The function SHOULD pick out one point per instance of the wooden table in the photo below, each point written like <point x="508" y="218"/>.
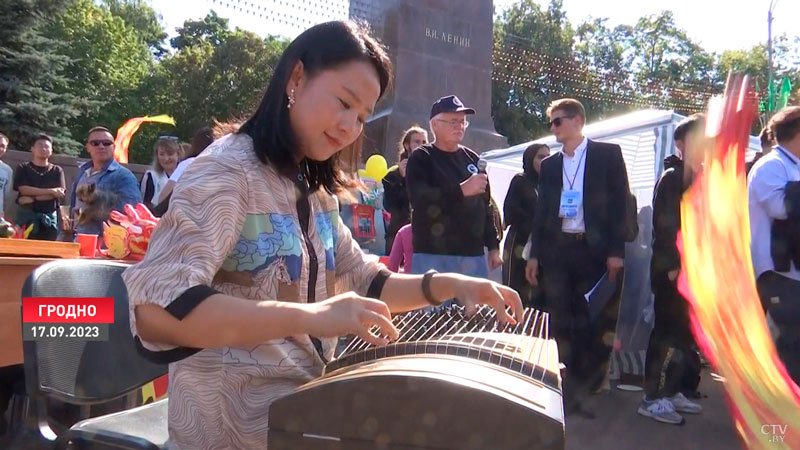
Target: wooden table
<point x="13" y="273"/>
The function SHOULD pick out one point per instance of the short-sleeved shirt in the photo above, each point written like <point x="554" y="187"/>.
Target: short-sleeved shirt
<point x="6" y="178"/>
<point x="233" y="225"/>
<point x="29" y="174"/>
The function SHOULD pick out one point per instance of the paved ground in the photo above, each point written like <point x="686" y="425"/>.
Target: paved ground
<point x="618" y="426"/>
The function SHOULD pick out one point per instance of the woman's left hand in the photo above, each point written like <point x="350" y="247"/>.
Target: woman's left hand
<point x="472" y="292"/>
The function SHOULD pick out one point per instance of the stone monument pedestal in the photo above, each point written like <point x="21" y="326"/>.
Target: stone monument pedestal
<point x="438" y="47"/>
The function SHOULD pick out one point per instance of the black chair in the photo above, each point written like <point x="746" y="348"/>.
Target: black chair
<point x="90" y="373"/>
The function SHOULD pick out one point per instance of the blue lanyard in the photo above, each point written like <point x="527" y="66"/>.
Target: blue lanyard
<point x="574" y="177"/>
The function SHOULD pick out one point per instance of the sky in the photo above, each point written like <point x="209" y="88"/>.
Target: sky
<point x="715" y="24"/>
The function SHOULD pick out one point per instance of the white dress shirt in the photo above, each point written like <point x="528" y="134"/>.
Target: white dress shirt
<point x="766" y="195"/>
<point x="574" y="169"/>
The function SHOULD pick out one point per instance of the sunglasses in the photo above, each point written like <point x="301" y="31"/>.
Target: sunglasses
<point x="168" y="137"/>
<point x="101" y="143"/>
<point x="557" y="121"/>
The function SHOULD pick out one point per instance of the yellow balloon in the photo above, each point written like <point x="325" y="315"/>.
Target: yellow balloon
<point x="362" y="173"/>
<point x="376" y="167"/>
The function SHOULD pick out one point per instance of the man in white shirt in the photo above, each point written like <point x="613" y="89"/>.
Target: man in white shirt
<point x="579" y="236"/>
<point x="774" y="197"/>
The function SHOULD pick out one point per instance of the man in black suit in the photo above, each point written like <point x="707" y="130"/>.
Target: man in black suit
<point x="578" y="237"/>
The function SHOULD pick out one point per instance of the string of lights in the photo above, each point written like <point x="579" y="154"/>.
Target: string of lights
<point x="525" y="44"/>
<point x="527" y="78"/>
<point x="514" y="63"/>
<point x="532" y="60"/>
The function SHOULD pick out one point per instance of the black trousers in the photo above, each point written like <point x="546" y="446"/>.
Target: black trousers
<point x="514" y="270"/>
<point x="583" y="345"/>
<point x="780" y="297"/>
<point x="670" y="341"/>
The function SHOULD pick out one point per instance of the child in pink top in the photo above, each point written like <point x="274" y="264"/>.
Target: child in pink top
<point x="402" y="250"/>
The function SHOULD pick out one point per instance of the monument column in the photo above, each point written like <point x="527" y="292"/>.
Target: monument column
<point x="438" y="47"/>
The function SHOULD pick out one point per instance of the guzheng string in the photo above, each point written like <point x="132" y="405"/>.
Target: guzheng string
<point x="450" y="331"/>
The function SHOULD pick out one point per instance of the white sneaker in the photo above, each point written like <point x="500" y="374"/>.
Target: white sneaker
<point x="660" y="410"/>
<point x="684" y="405"/>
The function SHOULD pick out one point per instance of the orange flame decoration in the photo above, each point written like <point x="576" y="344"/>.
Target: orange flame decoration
<point x="718" y="279"/>
<point x="126" y="132"/>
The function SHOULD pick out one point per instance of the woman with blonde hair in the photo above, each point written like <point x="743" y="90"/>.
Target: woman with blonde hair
<point x="167" y="152"/>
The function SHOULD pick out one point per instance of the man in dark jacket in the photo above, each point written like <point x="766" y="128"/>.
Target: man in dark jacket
<point x="671" y="337"/>
<point x="579" y="239"/>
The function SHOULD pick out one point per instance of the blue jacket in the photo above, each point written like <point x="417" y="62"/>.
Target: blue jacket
<point x="113" y="178"/>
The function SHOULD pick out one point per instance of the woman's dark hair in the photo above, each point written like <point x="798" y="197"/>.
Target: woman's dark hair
<point x="322" y="47"/>
<point x="527" y="160"/>
<point x="202" y="138"/>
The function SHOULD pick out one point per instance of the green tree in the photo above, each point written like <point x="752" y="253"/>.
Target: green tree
<point x="108" y="62"/>
<point x="671" y="69"/>
<point x="216" y="73"/>
<point x="143" y="19"/>
<point x="532" y="48"/>
<point x="604" y="57"/>
<point x="212" y="29"/>
<point x="34" y="91"/>
<point x="754" y="62"/>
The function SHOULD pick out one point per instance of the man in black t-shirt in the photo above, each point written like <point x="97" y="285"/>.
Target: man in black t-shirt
<point x="452" y="221"/>
<point x="41" y="186"/>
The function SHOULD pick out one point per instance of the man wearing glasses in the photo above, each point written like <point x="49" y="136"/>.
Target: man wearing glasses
<point x="452" y="220"/>
<point x="108" y="175"/>
<point x="578" y="237"/>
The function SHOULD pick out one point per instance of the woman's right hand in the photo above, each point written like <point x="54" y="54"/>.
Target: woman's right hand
<point x="350" y="313"/>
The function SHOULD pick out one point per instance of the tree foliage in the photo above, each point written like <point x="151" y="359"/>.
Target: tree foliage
<point x="35" y="94"/>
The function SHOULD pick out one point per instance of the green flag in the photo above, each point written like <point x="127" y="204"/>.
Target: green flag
<point x="762" y="104"/>
<point x="783" y="97"/>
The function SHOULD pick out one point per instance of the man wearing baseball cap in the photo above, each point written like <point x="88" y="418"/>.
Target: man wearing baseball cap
<point x="452" y="219"/>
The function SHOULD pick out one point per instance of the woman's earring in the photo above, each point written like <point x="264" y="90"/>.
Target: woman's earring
<point x="291" y="99"/>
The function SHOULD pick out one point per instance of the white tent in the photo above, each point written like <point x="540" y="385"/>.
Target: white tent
<point x="645" y="137"/>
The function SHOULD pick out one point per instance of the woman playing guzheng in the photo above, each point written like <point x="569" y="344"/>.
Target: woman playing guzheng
<point x="251" y="275"/>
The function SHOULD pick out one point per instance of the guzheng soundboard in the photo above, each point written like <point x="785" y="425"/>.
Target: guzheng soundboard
<point x="449" y="382"/>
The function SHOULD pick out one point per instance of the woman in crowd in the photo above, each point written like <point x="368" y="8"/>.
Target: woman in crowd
<point x="395" y="193"/>
<point x="167" y="152"/>
<point x="518" y="211"/>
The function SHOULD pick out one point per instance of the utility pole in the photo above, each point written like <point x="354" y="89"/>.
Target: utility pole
<point x="770" y="93"/>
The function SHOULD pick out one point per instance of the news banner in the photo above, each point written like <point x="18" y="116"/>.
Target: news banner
<point x="66" y="318"/>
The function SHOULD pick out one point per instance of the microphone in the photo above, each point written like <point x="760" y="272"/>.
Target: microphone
<point x="482" y="163"/>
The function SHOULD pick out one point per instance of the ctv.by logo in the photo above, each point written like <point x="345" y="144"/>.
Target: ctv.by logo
<point x="777" y="433"/>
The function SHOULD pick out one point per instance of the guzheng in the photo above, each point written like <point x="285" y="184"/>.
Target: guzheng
<point x="448" y="382"/>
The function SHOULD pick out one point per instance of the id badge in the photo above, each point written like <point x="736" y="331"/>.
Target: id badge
<point x="569" y="204"/>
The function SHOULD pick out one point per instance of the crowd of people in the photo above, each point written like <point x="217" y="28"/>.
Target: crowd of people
<point x="568" y="217"/>
<point x="250" y="263"/>
<point x="51" y="212"/>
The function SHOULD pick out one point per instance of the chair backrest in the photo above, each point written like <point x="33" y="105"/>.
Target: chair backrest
<point x="83" y="372"/>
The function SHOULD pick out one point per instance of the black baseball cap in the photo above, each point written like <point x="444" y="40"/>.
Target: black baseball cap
<point x="451" y="103"/>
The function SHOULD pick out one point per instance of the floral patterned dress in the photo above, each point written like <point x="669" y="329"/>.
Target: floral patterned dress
<point x="233" y="225"/>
